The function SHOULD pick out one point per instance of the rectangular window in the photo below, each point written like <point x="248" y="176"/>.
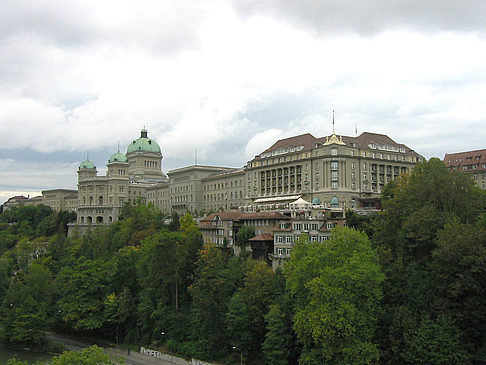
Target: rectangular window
<point x="334" y="165"/>
<point x="333" y="151"/>
<point x="334" y="185"/>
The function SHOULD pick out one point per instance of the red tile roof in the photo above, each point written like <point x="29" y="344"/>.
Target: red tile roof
<point x="468" y="161"/>
<point x="310" y="142"/>
<point x="262" y="237"/>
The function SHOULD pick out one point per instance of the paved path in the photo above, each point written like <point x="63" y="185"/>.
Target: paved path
<point x="134" y="358"/>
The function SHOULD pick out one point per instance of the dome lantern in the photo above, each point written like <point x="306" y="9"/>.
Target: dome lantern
<point x="143" y="144"/>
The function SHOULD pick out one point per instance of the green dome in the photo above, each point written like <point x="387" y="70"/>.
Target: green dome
<point x="143" y="144"/>
<point x="87" y="165"/>
<point x="118" y="157"/>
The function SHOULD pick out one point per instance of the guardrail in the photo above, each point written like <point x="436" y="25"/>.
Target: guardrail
<point x="171" y="358"/>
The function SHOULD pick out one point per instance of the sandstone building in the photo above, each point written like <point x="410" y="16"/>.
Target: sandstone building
<point x="335" y="172"/>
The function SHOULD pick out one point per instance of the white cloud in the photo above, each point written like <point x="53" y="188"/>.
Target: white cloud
<point x="262" y="140"/>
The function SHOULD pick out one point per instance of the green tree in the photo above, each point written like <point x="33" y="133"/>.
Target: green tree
<point x="125" y="289"/>
<point x="246" y="316"/>
<point x="83" y="289"/>
<point x="435" y="342"/>
<point x="216" y="278"/>
<point x="337" y="287"/>
<point x="280" y="346"/>
<point x="243" y="236"/>
<point x="459" y="276"/>
<point x="407" y="233"/>
<point x="239" y="325"/>
<point x="27" y="307"/>
<point x="92" y="355"/>
<point x="278" y="339"/>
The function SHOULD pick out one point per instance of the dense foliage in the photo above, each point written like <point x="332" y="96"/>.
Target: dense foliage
<point x="92" y="355"/>
<point x="403" y="287"/>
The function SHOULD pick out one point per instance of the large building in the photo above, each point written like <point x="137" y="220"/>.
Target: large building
<point x="127" y="180"/>
<point x="330" y="172"/>
<point x="333" y="171"/>
<point x="470" y="162"/>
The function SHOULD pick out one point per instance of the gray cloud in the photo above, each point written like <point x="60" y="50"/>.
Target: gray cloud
<point x="371" y="16"/>
<point x="144" y="25"/>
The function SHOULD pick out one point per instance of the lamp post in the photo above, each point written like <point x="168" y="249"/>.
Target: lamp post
<point x="167" y="343"/>
<point x="241" y="355"/>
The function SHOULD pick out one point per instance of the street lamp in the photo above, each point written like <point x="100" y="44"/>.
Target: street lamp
<point x="167" y="342"/>
<point x="241" y="355"/>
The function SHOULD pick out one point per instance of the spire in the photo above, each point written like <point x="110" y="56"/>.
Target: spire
<point x="334" y="139"/>
<point x="333" y="131"/>
<point x="118" y="146"/>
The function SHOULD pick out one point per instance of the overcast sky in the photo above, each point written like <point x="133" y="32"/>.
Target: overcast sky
<point x="229" y="78"/>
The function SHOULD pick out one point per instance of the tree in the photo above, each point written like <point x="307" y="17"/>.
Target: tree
<point x="459" y="275"/>
<point x="28" y="306"/>
<point x="243" y="236"/>
<point x="278" y="339"/>
<point x="239" y="325"/>
<point x="122" y="308"/>
<point x="216" y="278"/>
<point x="164" y="296"/>
<point x="337" y="288"/>
<point x="418" y="205"/>
<point x="92" y="355"/>
<point x="360" y="222"/>
<point x="246" y="316"/>
<point x="83" y="289"/>
<point x="435" y="342"/>
<point x="407" y="235"/>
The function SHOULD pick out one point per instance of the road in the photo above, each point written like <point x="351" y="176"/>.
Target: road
<point x="134" y="358"/>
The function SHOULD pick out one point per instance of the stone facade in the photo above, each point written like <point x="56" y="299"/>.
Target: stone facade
<point x="59" y="199"/>
<point x="334" y="171"/>
<point x="128" y="180"/>
<point x="330" y="172"/>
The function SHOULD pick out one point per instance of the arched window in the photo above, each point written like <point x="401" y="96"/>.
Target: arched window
<point x="334" y="202"/>
<point x="99" y="219"/>
<point x="82" y="220"/>
<point x="89" y="220"/>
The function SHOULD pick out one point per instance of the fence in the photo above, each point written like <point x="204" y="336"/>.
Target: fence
<point x="171" y="358"/>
